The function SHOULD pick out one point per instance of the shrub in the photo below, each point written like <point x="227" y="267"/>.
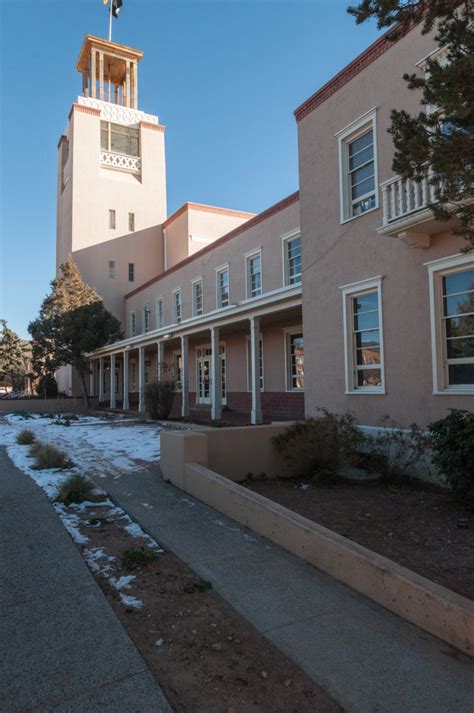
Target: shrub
<point x="453" y="452"/>
<point x="317" y="446"/>
<point x="47" y="387"/>
<point x="75" y="489"/>
<point x="48" y="457"/>
<point x="159" y="396"/>
<point x="26" y="437"/>
<point x="135" y="557"/>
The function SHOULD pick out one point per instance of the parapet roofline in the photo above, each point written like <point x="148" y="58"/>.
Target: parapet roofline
<point x="206" y="209"/>
<point x="292" y="198"/>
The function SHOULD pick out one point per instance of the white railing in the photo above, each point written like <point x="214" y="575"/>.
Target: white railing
<point x="117" y="113"/>
<point x="116" y="160"/>
<point x="401" y="197"/>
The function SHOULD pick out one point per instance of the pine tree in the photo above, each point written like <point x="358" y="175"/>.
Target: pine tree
<point x="72" y="323"/>
<point x="13" y="356"/>
<point x="443" y="138"/>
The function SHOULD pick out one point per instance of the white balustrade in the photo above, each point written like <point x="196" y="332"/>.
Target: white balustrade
<point x="116" y="113"/>
<point x="402" y="197"/>
<point x="116" y="160"/>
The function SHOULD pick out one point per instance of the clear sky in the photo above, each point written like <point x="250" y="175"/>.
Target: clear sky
<point x="223" y="76"/>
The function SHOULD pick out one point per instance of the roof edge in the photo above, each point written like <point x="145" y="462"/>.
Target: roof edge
<point x="206" y="209"/>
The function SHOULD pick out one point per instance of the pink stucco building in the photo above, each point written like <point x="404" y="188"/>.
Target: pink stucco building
<point x="347" y="295"/>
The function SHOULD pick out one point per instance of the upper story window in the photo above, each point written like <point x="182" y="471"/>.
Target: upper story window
<point x="133" y="324"/>
<point x="292" y="260"/>
<point x="177" y="304"/>
<point x="254" y="274"/>
<point x="452" y="324"/>
<point x="364" y="336"/>
<point x="146" y="319"/>
<point x="131" y="222"/>
<point x="119" y="139"/>
<point x="112" y="219"/>
<point x="160" y="313"/>
<point x="112" y="270"/>
<point x="358" y="167"/>
<point x="222" y="284"/>
<point x="131" y="272"/>
<point x="197" y="298"/>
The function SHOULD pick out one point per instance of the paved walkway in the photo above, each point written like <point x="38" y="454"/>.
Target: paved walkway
<point x="368" y="658"/>
<point x="61" y="646"/>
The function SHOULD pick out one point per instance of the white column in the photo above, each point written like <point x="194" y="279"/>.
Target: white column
<point x="127" y="84"/>
<point x="93" y="75"/>
<point x="91" y="378"/>
<point x="135" y="84"/>
<point x="256" y="414"/>
<point x="125" y="401"/>
<point x="101" y="379"/>
<point x="141" y="379"/>
<point x="160" y="359"/>
<point x="216" y="386"/>
<point x="113" y="397"/>
<point x="101" y="76"/>
<point x="184" y="378"/>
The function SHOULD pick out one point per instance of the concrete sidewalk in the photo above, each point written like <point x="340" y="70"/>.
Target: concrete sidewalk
<point x="61" y="646"/>
<point x="368" y="658"/>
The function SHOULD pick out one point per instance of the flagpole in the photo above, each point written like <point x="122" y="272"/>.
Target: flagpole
<point x="110" y="20"/>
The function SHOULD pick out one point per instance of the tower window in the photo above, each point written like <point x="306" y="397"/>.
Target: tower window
<point x="112" y="270"/>
<point x="112" y="219"/>
<point x="119" y="139"/>
<point x="131" y="272"/>
<point x="131" y="222"/>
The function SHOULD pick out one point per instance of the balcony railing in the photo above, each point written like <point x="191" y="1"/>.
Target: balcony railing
<point x="125" y="163"/>
<point x="402" y="198"/>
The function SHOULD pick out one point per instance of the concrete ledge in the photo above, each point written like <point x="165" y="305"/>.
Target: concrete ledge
<point x="43" y="405"/>
<point x="432" y="607"/>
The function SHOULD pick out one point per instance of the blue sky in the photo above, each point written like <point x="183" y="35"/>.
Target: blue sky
<point x="223" y="76"/>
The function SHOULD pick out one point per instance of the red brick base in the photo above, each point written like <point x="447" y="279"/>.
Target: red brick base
<point x="276" y="406"/>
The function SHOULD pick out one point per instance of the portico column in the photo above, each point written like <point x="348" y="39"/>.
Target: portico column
<point x="125" y="401"/>
<point x="160" y="359"/>
<point x="91" y="378"/>
<point x="256" y="413"/>
<point x="101" y="76"/>
<point x="101" y="379"/>
<point x="141" y="379"/>
<point x="127" y="83"/>
<point x="216" y="390"/>
<point x="93" y="75"/>
<point x="135" y="85"/>
<point x="113" y="398"/>
<point x="184" y="378"/>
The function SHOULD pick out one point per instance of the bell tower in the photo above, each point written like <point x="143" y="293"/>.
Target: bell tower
<point x="111" y="187"/>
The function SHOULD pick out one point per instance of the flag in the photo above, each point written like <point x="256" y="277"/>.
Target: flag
<point x="116" y="5"/>
<point x="105" y="2"/>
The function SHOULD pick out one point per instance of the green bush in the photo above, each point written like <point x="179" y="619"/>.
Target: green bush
<point x="135" y="557"/>
<point x="453" y="452"/>
<point x="317" y="446"/>
<point x="75" y="489"/>
<point x="48" y="457"/>
<point x="159" y="396"/>
<point x="47" y="387"/>
<point x="26" y="437"/>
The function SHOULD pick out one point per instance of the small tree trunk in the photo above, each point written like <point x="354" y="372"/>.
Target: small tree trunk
<point x="85" y="395"/>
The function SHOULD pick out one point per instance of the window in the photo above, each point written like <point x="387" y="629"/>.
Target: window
<point x="131" y="222"/>
<point x="452" y="324"/>
<point x="222" y="279"/>
<point x="112" y="270"/>
<point x="254" y="274"/>
<point x="131" y="272"/>
<point x="133" y="375"/>
<point x="295" y="360"/>
<point x="112" y="219"/>
<point x="146" y="318"/>
<point x="147" y="371"/>
<point x="178" y="370"/>
<point x="160" y="317"/>
<point x="249" y="364"/>
<point x="133" y="324"/>
<point x="358" y="167"/>
<point x="119" y="139"/>
<point x="363" y="336"/>
<point x="292" y="260"/>
<point x="177" y="306"/>
<point x="197" y="297"/>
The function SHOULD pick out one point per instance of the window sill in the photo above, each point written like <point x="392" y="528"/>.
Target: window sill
<point x="365" y="391"/>
<point x="454" y="391"/>
<point x="355" y="217"/>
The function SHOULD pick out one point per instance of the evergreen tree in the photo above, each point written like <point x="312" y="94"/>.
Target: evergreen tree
<point x="72" y="323"/>
<point x="13" y="356"/>
<point x="442" y="138"/>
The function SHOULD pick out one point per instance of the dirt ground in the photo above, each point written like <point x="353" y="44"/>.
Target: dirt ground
<point x="416" y="525"/>
<point x="205" y="656"/>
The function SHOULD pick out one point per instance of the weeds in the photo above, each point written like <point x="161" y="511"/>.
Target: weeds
<point x="26" y="437"/>
<point x="135" y="557"/>
<point x="76" y="489"/>
<point x="48" y="457"/>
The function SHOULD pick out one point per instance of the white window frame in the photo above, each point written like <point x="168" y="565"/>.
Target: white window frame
<point x="131" y="222"/>
<point x="132" y="271"/>
<point x="219" y="270"/>
<point x="248" y="257"/>
<point x="160" y="323"/>
<point x="112" y="219"/>
<point x="344" y="137"/>
<point x="285" y="240"/>
<point x="287" y="333"/>
<point x="436" y="270"/>
<point x="348" y="293"/>
<point x="262" y="374"/>
<point x="177" y="320"/>
<point x="112" y="271"/>
<point x="195" y="282"/>
<point x="146" y="312"/>
<point x="133" y="323"/>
